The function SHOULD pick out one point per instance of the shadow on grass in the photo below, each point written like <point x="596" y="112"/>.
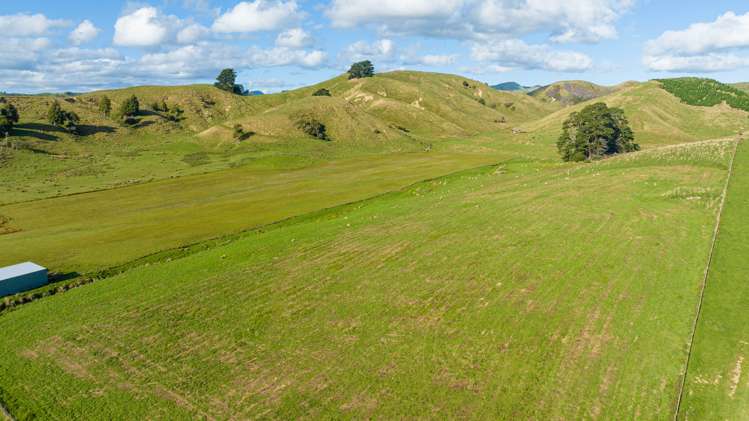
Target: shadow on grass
<point x="39" y="135"/>
<point x="88" y="130"/>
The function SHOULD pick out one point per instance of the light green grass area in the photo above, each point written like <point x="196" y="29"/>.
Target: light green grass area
<point x="519" y="291"/>
<point x="717" y="384"/>
<point x="93" y="231"/>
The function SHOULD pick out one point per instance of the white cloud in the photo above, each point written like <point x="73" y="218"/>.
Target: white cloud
<point x="437" y="60"/>
<point x="282" y="56"/>
<point x="562" y="20"/>
<point x="517" y="54"/>
<point x="192" y="33"/>
<point x="380" y="50"/>
<point x="348" y="13"/>
<point x="258" y="15"/>
<point x="702" y="47"/>
<point x="84" y="32"/>
<point x="24" y="25"/>
<point x="145" y="27"/>
<point x="294" y="38"/>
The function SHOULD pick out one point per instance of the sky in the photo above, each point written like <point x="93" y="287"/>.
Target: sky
<point x="274" y="45"/>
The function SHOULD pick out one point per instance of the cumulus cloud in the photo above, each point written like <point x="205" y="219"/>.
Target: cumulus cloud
<point x="294" y="38"/>
<point x="517" y="54"/>
<point x="380" y="50"/>
<point x="192" y="33"/>
<point x="144" y="27"/>
<point x="258" y="15"/>
<point x="563" y="20"/>
<point x="437" y="60"/>
<point x="702" y="47"/>
<point x="86" y="31"/>
<point x="282" y="56"/>
<point x="24" y="25"/>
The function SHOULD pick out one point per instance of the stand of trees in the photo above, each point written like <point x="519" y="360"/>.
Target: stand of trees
<point x="594" y="132"/>
<point x="361" y="69"/>
<point x="58" y="117"/>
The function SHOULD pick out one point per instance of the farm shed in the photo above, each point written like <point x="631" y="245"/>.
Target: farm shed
<point x="21" y="277"/>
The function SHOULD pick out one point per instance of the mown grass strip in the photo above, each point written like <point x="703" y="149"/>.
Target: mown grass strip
<point x="716" y="232"/>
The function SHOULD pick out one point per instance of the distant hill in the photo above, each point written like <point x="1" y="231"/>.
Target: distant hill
<point x="513" y="87"/>
<point x="656" y="116"/>
<point x="571" y="92"/>
<point x="744" y="86"/>
<point x="400" y="106"/>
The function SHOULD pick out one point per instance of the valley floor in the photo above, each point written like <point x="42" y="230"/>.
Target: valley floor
<point x="484" y="294"/>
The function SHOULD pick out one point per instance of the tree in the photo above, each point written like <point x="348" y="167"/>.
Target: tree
<point x="361" y="69"/>
<point x="105" y="106"/>
<point x="58" y="117"/>
<point x="226" y="80"/>
<point x="8" y="117"/>
<point x="321" y="92"/>
<point x="54" y="114"/>
<point x="129" y="108"/>
<point x="594" y="132"/>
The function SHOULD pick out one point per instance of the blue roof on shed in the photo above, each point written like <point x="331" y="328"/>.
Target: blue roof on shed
<point x="19" y="270"/>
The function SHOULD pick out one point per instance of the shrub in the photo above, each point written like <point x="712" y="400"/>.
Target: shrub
<point x="312" y="127"/>
<point x="321" y="92"/>
<point x="240" y="134"/>
<point x="105" y="106"/>
<point x="174" y="113"/>
<point x="482" y="101"/>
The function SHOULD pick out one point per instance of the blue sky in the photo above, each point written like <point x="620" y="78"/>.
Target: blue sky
<point x="83" y="45"/>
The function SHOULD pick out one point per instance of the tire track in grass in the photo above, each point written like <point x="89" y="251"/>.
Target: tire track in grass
<point x="716" y="232"/>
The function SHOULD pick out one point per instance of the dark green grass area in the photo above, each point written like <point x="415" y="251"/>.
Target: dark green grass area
<point x="514" y="292"/>
<point x="717" y="385"/>
<point x="706" y="92"/>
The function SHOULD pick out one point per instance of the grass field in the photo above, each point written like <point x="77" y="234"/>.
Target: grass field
<point x="717" y="386"/>
<point x="484" y="294"/>
<point x="93" y="231"/>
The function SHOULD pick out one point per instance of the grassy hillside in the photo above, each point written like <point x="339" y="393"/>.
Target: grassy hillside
<point x="744" y="86"/>
<point x="392" y="112"/>
<point x="515" y="292"/>
<point x="570" y="92"/>
<point x="656" y="116"/>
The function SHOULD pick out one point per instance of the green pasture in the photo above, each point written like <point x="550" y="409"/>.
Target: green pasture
<point x="518" y="291"/>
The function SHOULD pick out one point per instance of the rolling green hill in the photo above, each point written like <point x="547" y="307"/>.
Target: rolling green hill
<point x="433" y="259"/>
<point x="656" y="116"/>
<point x="393" y="112"/>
